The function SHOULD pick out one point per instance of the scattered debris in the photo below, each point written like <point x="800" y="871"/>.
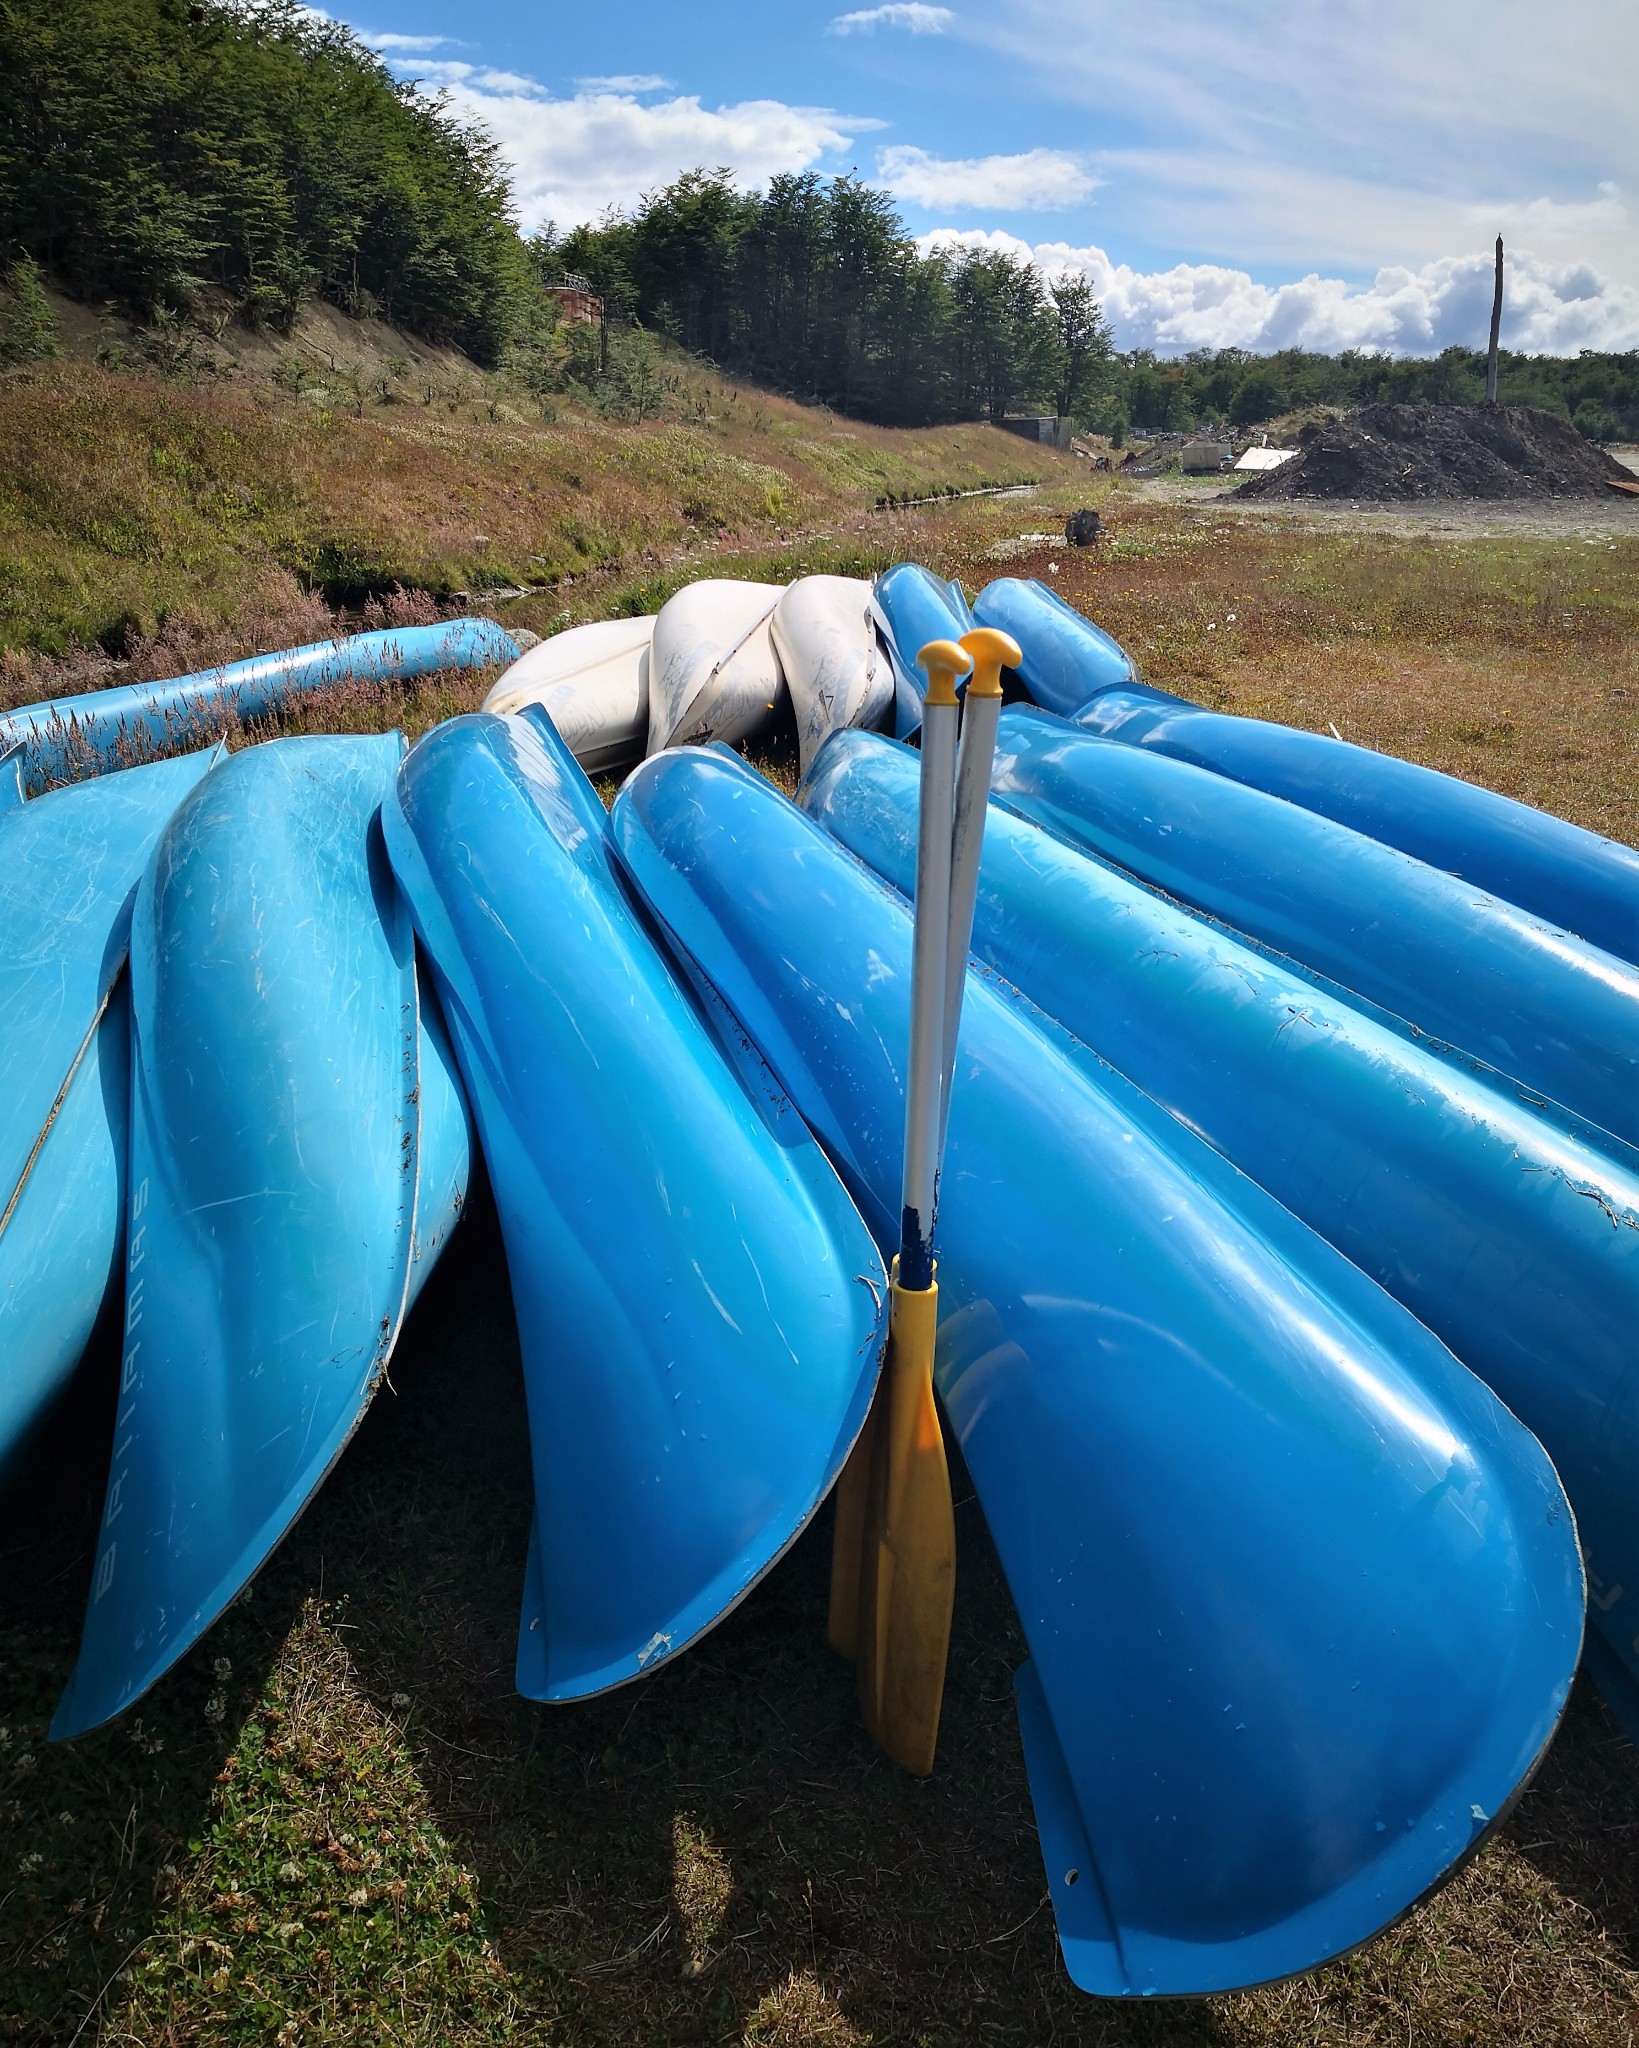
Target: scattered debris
<point x="1265" y="458"/>
<point x="1388" y="452"/>
<point x="1082" y="528"/>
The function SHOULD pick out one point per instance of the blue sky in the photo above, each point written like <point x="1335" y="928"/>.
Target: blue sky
<point x="1247" y="172"/>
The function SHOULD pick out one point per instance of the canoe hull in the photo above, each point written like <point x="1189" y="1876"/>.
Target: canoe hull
<point x="1514" y="1239"/>
<point x="69" y="737"/>
<point x="69" y="862"/>
<point x="288" y="1115"/>
<point x="700" y="1307"/>
<point x="1533" y="1003"/>
<point x="1157" y="1378"/>
<point x="713" y="671"/>
<point x="835" y="668"/>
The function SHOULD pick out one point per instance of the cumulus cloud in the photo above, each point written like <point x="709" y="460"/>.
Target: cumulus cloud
<point x="1549" y="308"/>
<point x="573" y="159"/>
<point x="921" y="20"/>
<point x="1036" y="180"/>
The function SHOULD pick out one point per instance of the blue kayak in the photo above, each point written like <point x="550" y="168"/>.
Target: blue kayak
<point x="68" y="865"/>
<point x="913" y="606"/>
<point x="1575" y="879"/>
<point x="1513" y="1236"/>
<point x="68" y="737"/>
<point x="1554" y="870"/>
<point x="298" y="1155"/>
<point x="1303" y="1600"/>
<point x="700" y="1307"/>
<point x="1532" y="1002"/>
<point x="1067" y="659"/>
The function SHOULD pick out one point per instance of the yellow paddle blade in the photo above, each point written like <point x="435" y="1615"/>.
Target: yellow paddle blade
<point x="907" y="1545"/>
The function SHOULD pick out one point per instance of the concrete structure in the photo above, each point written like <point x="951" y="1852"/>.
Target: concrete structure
<point x="1041" y="427"/>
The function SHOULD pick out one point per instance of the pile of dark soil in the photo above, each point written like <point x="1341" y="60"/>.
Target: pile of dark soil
<point x="1385" y="453"/>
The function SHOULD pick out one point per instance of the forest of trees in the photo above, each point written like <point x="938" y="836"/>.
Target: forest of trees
<point x="152" y="148"/>
<point x="154" y="151"/>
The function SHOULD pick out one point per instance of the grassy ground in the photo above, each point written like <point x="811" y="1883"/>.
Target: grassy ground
<point x="336" y="1822"/>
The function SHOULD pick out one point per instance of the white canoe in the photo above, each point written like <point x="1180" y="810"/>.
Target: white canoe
<point x="713" y="672"/>
<point x="837" y="673"/>
<point x="593" y="682"/>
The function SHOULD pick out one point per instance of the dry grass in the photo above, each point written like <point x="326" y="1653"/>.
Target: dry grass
<point x="127" y="501"/>
<point x="358" y="1833"/>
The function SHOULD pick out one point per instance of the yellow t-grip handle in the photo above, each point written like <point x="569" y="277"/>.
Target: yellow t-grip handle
<point x="944" y="661"/>
<point x="990" y="652"/>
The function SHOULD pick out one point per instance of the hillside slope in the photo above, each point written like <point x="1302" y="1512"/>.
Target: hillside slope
<point x="212" y="503"/>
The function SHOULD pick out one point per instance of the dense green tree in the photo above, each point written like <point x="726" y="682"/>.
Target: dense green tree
<point x="152" y="148"/>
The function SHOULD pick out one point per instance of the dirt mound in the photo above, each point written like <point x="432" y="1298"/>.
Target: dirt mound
<point x="1387" y="453"/>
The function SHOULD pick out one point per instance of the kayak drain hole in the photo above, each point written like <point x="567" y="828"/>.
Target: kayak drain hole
<point x="1070" y="1876"/>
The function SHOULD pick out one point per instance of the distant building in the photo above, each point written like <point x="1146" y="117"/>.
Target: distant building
<point x="576" y="299"/>
<point x="1041" y="427"/>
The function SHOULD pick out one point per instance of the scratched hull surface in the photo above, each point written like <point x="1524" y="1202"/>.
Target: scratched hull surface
<point x="68" y="864"/>
<point x="289" y="1113"/>
<point x="1531" y="1001"/>
<point x="76" y="736"/>
<point x="835" y="668"/>
<point x="1303" y="1600"/>
<point x="700" y="1307"/>
<point x="593" y="682"/>
<point x="1515" y="1238"/>
<point x="913" y="606"/>
<point x="1554" y="870"/>
<point x="713" y="670"/>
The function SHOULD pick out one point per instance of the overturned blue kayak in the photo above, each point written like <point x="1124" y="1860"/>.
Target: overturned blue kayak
<point x="1513" y="1236"/>
<point x="1067" y="659"/>
<point x="912" y="606"/>
<point x="1303" y="1600"/>
<point x="299" y="1153"/>
<point x="1575" y="879"/>
<point x="700" y="1307"/>
<point x="1533" y="1002"/>
<point x="68" y="865"/>
<point x="68" y="737"/>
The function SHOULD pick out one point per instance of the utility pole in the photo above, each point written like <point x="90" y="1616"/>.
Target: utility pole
<point x="1496" y="329"/>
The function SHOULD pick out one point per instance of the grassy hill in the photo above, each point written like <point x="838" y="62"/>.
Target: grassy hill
<point x="225" y="494"/>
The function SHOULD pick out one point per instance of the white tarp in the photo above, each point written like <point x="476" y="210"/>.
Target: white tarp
<point x="1265" y="458"/>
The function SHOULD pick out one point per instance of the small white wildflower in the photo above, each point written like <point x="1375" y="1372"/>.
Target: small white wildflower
<point x="30" y="1862"/>
<point x="24" y="1764"/>
<point x="5" y="1738"/>
<point x="290" y="1870"/>
<point x="65" y="1820"/>
<point x="223" y="1667"/>
<point x="287" y="1930"/>
<point x="401" y="1699"/>
<point x="216" y="1708"/>
<point x="358" y="1898"/>
<point x="1052" y="568"/>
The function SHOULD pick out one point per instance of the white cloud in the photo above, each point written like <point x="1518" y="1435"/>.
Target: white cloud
<point x="1549" y="308"/>
<point x="1037" y="180"/>
<point x="626" y="81"/>
<point x="1355" y="135"/>
<point x="572" y="159"/>
<point x="921" y="20"/>
<point x="408" y="44"/>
